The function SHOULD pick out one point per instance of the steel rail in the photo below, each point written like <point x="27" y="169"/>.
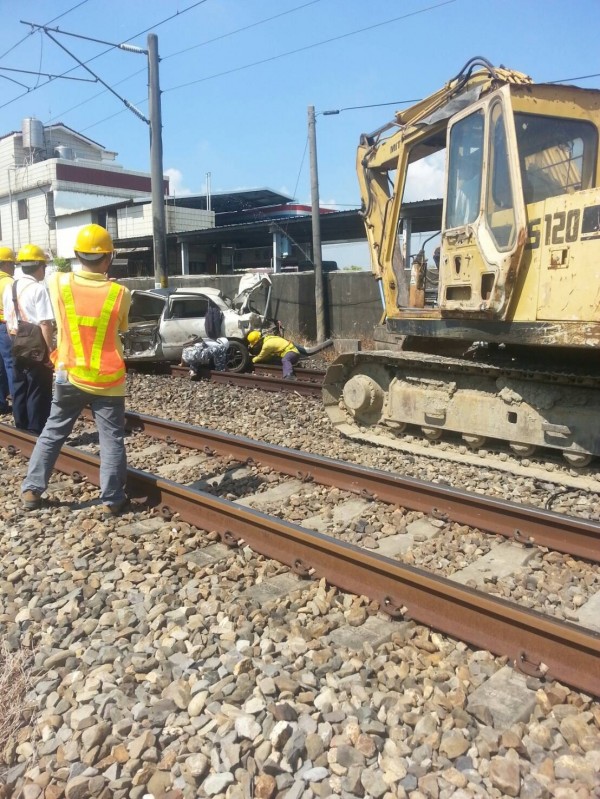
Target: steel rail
<point x="538" y="645"/>
<point x="522" y="523"/>
<point x="267" y="383"/>
<point x="302" y="375"/>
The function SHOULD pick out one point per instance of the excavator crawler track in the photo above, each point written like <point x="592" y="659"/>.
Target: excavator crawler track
<point x="388" y="393"/>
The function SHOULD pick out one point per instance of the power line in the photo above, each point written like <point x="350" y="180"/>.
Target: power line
<point x="310" y="46"/>
<point x="125" y="102"/>
<point x="241" y="30"/>
<point x="167" y="19"/>
<point x="135" y="36"/>
<point x="372" y="105"/>
<point x="580" y="77"/>
<point x="111" y="116"/>
<point x="187" y="49"/>
<point x="44" y="74"/>
<point x="27" y="35"/>
<point x="300" y="170"/>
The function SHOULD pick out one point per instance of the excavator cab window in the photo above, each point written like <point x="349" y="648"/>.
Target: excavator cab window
<point x="465" y="171"/>
<point x="557" y="156"/>
<point x="499" y="207"/>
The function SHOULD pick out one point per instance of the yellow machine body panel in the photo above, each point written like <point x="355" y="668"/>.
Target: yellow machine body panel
<point x="520" y="206"/>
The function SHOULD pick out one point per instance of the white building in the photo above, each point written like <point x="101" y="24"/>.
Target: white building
<point x="53" y="180"/>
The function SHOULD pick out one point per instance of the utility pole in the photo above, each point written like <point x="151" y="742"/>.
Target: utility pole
<point x="159" y="228"/>
<point x="316" y="225"/>
<point x="159" y="239"/>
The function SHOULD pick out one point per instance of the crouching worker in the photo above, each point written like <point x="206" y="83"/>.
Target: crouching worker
<point x="90" y="311"/>
<point x="198" y="352"/>
<point x="267" y="348"/>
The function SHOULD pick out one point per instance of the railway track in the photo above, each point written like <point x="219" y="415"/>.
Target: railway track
<point x="525" y="525"/>
<point x="536" y="643"/>
<point x="451" y="449"/>
<point x="308" y="382"/>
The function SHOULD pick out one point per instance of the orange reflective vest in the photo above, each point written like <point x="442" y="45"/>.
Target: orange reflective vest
<point x="89" y="318"/>
<point x="5" y="280"/>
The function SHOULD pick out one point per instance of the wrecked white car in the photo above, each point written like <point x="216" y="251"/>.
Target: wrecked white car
<point x="161" y="321"/>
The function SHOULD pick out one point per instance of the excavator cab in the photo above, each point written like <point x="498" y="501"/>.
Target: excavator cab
<point x="484" y="214"/>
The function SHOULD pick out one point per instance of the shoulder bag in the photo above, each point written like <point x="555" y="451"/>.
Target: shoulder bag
<point x="28" y="344"/>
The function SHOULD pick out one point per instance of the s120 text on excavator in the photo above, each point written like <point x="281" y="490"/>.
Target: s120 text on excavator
<point x="506" y="348"/>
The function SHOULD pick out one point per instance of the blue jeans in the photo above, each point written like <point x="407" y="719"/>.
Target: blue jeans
<point x="109" y="415"/>
<point x="6" y="367"/>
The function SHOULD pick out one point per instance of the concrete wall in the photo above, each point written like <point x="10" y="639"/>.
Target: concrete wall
<point x="352" y="300"/>
<point x="353" y="304"/>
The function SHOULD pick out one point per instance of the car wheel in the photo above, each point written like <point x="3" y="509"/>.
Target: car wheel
<point x="238" y="357"/>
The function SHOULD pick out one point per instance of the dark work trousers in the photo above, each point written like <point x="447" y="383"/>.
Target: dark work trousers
<point x="287" y="363"/>
<point x="32" y="397"/>
<point x="6" y="368"/>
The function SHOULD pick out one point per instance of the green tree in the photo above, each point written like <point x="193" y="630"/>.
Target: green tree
<point x="62" y="265"/>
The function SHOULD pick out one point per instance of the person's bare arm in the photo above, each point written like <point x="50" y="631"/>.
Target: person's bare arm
<point x="47" y="330"/>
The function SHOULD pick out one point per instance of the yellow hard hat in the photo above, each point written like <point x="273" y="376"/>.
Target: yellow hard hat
<point x="93" y="240"/>
<point x="7" y="255"/>
<point x="254" y="337"/>
<point x="30" y="253"/>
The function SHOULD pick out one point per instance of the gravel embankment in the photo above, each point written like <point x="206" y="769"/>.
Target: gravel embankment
<point x="167" y="665"/>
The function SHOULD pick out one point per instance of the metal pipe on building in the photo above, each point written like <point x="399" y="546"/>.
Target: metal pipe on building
<point x="276" y="260"/>
<point x="185" y="258"/>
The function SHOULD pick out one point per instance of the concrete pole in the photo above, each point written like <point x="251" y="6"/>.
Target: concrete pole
<point x="316" y="225"/>
<point x="156" y="167"/>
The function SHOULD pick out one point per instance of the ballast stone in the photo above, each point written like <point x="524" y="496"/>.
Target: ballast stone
<point x="589" y="614"/>
<point x="505" y="696"/>
<point x="417" y="531"/>
<point x="501" y="561"/>
<point x="343" y="514"/>
<point x="275" y="494"/>
<point x="374" y="631"/>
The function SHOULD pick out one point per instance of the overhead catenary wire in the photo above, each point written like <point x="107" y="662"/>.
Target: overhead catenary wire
<point x="185" y="50"/>
<point x="125" y="102"/>
<point x="291" y="52"/>
<point x="241" y="30"/>
<point x="579" y="77"/>
<point x="310" y="46"/>
<point x="104" y="52"/>
<point x="247" y="66"/>
<point x="50" y="21"/>
<point x="46" y="74"/>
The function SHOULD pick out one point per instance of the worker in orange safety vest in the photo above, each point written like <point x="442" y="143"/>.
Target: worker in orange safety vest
<point x="90" y="312"/>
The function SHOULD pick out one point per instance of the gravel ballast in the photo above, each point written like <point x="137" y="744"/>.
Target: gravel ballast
<point x="164" y="664"/>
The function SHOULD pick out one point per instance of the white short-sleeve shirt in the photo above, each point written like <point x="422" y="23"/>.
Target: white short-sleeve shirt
<point x="34" y="302"/>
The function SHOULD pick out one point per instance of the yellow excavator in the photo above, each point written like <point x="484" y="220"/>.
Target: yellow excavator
<point x="498" y="339"/>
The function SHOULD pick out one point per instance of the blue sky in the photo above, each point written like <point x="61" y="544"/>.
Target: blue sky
<point x="246" y="122"/>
